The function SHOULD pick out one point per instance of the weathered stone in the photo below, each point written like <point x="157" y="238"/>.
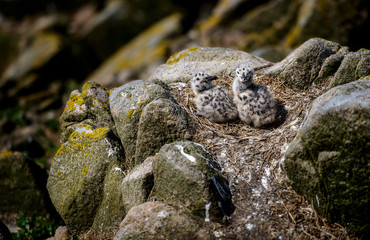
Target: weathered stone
<point x="187" y="175"/>
<point x="127" y="103"/>
<point x="328" y="162"/>
<point x="78" y="172"/>
<point x="90" y="107"/>
<point x="22" y="185"/>
<point x="111" y="210"/>
<point x="181" y="66"/>
<point x="162" y="121"/>
<point x="354" y="66"/>
<point x="331" y="64"/>
<point x="302" y="66"/>
<point x="157" y="220"/>
<point x="62" y="233"/>
<point x="138" y="184"/>
<point x="145" y="49"/>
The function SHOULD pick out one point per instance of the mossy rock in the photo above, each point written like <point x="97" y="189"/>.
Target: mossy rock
<point x="112" y="209"/>
<point x="127" y="104"/>
<point x="354" y="66"/>
<point x="22" y="185"/>
<point x="328" y="162"/>
<point x="301" y="68"/>
<point x="158" y="220"/>
<point x="78" y="172"/>
<point x="137" y="185"/>
<point x="181" y="66"/>
<point x="162" y="121"/>
<point x="187" y="175"/>
<point x="90" y="107"/>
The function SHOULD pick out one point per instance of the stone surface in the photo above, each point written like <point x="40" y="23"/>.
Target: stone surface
<point x="157" y="220"/>
<point x="354" y="66"/>
<point x="132" y="121"/>
<point x="78" y="172"/>
<point x="147" y="48"/>
<point x="328" y="162"/>
<point x="90" y="107"/>
<point x="62" y="233"/>
<point x="301" y="68"/>
<point x="162" y="121"/>
<point x="112" y="209"/>
<point x="181" y="66"/>
<point x="187" y="175"/>
<point x="137" y="185"/>
<point x="23" y="183"/>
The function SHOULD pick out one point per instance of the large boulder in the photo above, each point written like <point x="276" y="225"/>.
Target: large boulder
<point x="137" y="185"/>
<point x="328" y="162"/>
<point x="157" y="220"/>
<point x="354" y="66"/>
<point x="187" y="175"/>
<point x="22" y="185"/>
<point x="181" y="66"/>
<point x="301" y="68"/>
<point x="136" y="113"/>
<point x="83" y="172"/>
<point x="78" y="173"/>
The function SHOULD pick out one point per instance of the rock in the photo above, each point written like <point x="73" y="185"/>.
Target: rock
<point x="301" y="68"/>
<point x="181" y="66"/>
<point x="23" y="183"/>
<point x="137" y="185"/>
<point x="112" y="209"/>
<point x="42" y="47"/>
<point x="90" y="107"/>
<point x="78" y="172"/>
<point x="331" y="64"/>
<point x="62" y="233"/>
<point x="328" y="162"/>
<point x="130" y="108"/>
<point x="157" y="220"/>
<point x="145" y="49"/>
<point x="354" y="66"/>
<point x="162" y="121"/>
<point x="187" y="175"/>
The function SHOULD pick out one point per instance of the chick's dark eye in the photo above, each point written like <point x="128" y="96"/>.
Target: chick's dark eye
<point x="197" y="78"/>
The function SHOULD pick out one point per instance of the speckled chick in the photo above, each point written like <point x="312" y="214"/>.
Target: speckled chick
<point x="254" y="102"/>
<point x="213" y="102"/>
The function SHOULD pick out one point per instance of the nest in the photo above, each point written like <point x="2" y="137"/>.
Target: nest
<point x="266" y="207"/>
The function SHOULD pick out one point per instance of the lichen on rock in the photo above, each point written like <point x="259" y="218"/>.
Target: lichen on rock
<point x="328" y="162"/>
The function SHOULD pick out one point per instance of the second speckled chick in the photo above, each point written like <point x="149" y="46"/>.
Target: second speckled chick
<point x="254" y="102"/>
<point x="213" y="102"/>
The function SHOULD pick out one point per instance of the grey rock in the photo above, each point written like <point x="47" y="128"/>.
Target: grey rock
<point x="187" y="175"/>
<point x="111" y="210"/>
<point x="78" y="172"/>
<point x="181" y="66"/>
<point x="137" y="185"/>
<point x="354" y="66"/>
<point x="301" y="67"/>
<point x="157" y="220"/>
<point x="62" y="233"/>
<point x="134" y="107"/>
<point x="162" y="121"/>
<point x="328" y="162"/>
<point x="22" y="185"/>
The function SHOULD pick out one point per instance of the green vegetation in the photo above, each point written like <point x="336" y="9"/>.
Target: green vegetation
<point x="36" y="227"/>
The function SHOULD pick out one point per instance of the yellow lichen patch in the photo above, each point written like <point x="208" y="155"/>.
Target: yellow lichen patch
<point x="60" y="151"/>
<point x="87" y="133"/>
<point x="75" y="101"/>
<point x="84" y="171"/>
<point x="6" y="154"/>
<point x="178" y="56"/>
<point x="367" y="78"/>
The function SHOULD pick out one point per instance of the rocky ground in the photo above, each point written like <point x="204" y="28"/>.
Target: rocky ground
<point x="252" y="160"/>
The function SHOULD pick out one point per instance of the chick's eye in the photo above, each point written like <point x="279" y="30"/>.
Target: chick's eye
<point x="197" y="78"/>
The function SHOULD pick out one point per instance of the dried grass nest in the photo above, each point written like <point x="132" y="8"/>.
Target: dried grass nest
<point x="266" y="207"/>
